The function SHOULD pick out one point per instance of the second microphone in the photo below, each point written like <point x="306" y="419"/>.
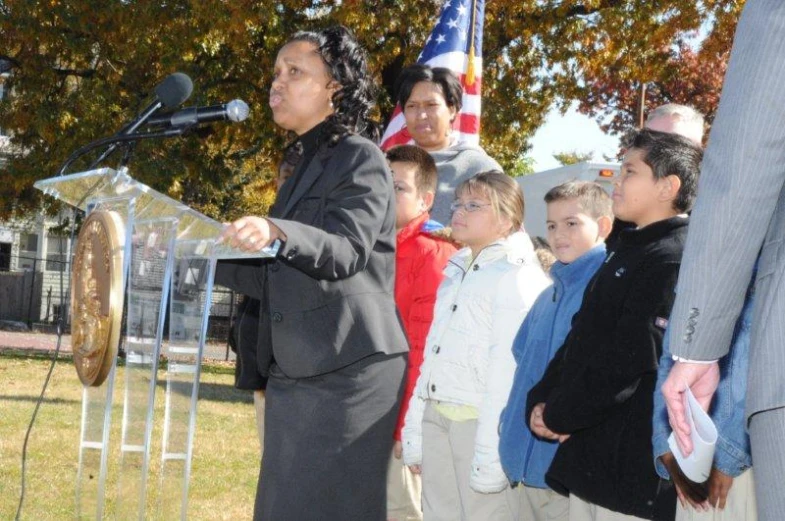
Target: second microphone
<point x="235" y="110"/>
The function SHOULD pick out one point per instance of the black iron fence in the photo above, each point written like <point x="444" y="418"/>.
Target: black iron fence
<point x="36" y="292"/>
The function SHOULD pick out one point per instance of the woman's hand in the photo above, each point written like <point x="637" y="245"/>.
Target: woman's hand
<point x="251" y="234"/>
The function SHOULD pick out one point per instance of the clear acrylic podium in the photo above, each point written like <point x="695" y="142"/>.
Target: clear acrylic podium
<point x="169" y="253"/>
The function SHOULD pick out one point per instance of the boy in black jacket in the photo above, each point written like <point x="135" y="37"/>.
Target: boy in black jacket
<point x="596" y="395"/>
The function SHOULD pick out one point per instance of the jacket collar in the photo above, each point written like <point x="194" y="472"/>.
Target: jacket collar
<point x="310" y="139"/>
<point x="412" y="229"/>
<point x="515" y="249"/>
<point x="576" y="271"/>
<point x="320" y="154"/>
<point x="652" y="232"/>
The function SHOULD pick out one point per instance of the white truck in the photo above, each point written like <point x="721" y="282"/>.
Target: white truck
<point x="535" y="186"/>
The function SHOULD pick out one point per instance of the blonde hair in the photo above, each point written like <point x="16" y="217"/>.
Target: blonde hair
<point x="504" y="194"/>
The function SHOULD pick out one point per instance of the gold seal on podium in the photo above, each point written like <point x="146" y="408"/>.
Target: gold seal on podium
<point x="97" y="296"/>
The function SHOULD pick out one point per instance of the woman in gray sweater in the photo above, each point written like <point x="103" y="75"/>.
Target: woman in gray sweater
<point x="431" y="98"/>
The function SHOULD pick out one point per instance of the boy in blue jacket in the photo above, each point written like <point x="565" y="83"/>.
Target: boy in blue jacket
<point x="578" y="221"/>
<point x="597" y="392"/>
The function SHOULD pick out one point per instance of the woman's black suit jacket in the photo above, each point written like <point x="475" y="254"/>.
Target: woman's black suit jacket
<point x="330" y="289"/>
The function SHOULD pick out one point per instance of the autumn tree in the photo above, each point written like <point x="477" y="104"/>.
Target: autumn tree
<point x="689" y="72"/>
<point x="691" y="78"/>
<point x="523" y="165"/>
<point x="571" y="157"/>
<point x="80" y="70"/>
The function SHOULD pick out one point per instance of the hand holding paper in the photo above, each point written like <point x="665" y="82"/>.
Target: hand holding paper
<point x="703" y="379"/>
<point x="703" y="436"/>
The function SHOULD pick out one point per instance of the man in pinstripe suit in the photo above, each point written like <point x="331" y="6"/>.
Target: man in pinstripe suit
<point x="739" y="214"/>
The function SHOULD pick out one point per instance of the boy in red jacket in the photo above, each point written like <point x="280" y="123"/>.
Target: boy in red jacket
<point x="419" y="260"/>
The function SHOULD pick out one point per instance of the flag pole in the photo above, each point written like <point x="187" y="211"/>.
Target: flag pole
<point x="470" y="72"/>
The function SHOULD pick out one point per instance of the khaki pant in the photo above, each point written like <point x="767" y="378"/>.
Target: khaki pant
<point x="448" y="449"/>
<point x="581" y="510"/>
<point x="542" y="504"/>
<point x="404" y="492"/>
<point x="258" y="403"/>
<point x="739" y="506"/>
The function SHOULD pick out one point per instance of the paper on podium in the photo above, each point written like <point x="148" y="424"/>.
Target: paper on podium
<point x="703" y="432"/>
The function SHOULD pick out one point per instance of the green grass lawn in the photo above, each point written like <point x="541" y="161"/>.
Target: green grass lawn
<point x="225" y="458"/>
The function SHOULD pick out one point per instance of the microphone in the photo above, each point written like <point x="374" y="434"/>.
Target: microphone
<point x="174" y="90"/>
<point x="170" y="93"/>
<point x="236" y="110"/>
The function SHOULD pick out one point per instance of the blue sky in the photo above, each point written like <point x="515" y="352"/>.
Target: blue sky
<point x="572" y="131"/>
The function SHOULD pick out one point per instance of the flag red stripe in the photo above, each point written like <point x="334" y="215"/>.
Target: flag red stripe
<point x="472" y="89"/>
<point x="396" y="111"/>
<point x="399" y="138"/>
<point x="468" y="123"/>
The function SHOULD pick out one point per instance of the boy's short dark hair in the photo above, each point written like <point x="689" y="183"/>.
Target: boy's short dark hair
<point x="425" y="167"/>
<point x="443" y="77"/>
<point x="671" y="154"/>
<point x="592" y="198"/>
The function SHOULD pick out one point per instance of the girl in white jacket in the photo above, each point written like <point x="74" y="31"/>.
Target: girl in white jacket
<point x="450" y="434"/>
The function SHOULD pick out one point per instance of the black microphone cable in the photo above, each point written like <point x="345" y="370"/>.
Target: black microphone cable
<point x="40" y="400"/>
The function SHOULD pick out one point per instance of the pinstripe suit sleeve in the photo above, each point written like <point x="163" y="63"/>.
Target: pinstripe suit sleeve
<point x="741" y="183"/>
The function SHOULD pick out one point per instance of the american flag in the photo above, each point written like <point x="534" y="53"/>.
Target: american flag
<point x="454" y="43"/>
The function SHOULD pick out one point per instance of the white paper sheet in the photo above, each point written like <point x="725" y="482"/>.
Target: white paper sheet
<point x="703" y="433"/>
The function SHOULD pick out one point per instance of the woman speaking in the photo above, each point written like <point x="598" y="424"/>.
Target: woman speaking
<point x="329" y="338"/>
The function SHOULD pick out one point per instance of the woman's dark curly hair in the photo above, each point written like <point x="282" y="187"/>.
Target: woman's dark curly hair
<point x="347" y="64"/>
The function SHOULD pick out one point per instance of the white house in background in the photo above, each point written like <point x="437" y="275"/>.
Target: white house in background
<point x="29" y="245"/>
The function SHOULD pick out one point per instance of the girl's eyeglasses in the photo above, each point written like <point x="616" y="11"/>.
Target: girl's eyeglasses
<point x="469" y="207"/>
